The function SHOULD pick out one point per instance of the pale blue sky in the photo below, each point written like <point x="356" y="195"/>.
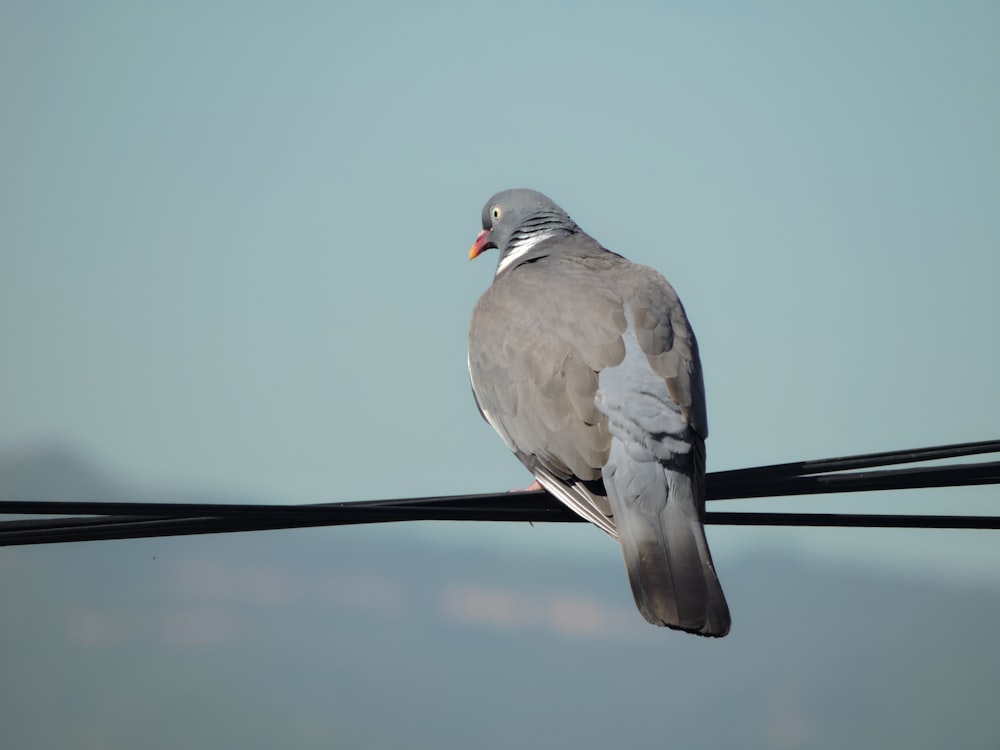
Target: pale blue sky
<point x="233" y="236"/>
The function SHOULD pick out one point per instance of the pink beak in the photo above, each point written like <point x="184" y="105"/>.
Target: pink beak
<point x="479" y="244"/>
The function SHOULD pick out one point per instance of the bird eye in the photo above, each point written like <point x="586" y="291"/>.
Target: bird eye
<point x="495" y="212"/>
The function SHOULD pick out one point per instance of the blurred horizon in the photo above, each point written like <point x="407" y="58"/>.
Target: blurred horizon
<point x="382" y="636"/>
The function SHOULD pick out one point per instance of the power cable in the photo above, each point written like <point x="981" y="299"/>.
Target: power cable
<point x="126" y="520"/>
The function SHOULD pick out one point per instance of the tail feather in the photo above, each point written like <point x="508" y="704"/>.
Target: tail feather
<point x="657" y="514"/>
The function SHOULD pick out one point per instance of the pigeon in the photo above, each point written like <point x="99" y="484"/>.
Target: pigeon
<point x="587" y="367"/>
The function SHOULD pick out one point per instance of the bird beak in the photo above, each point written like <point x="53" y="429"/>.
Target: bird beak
<point x="482" y="239"/>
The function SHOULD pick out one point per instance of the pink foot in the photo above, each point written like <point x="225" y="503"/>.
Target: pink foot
<point x="533" y="487"/>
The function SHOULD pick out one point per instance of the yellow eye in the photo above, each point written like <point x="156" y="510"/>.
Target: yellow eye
<point x="495" y="212"/>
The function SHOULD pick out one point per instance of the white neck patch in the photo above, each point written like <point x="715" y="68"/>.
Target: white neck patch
<point x="519" y="251"/>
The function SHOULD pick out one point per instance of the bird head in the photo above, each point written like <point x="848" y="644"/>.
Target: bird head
<point x="514" y="221"/>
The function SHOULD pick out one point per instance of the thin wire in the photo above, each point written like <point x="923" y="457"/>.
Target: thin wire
<point x="117" y="520"/>
<point x="868" y="460"/>
<point x="127" y="527"/>
<point x="747" y="485"/>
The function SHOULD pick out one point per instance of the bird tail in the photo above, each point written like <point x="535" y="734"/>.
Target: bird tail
<point x="657" y="512"/>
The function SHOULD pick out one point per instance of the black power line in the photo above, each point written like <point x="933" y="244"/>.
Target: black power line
<point x="114" y="520"/>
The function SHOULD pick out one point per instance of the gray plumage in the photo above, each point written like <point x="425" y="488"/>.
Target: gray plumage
<point x="587" y="367"/>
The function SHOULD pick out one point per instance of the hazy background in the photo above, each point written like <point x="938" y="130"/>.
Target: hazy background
<point x="233" y="261"/>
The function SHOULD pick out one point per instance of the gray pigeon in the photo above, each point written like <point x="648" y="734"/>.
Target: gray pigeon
<point x="586" y="365"/>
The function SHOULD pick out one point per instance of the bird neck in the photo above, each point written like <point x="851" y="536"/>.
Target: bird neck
<point x="524" y="241"/>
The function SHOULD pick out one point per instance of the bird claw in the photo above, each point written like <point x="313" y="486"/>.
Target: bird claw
<point x="533" y="487"/>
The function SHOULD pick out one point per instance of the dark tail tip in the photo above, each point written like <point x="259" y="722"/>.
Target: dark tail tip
<point x="701" y="610"/>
